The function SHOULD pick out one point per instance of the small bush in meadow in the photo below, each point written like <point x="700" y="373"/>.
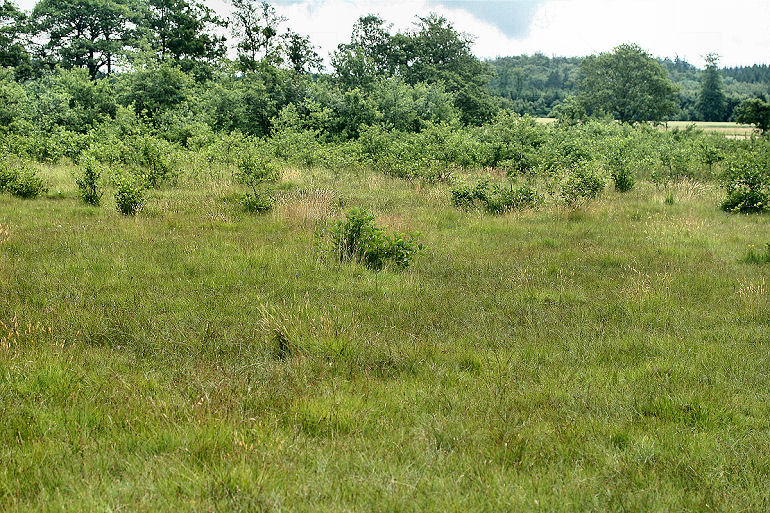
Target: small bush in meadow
<point x="22" y="183"/>
<point x="257" y="202"/>
<point x="619" y="161"/>
<point x="624" y="179"/>
<point x="129" y="195"/>
<point x="495" y="199"/>
<point x="258" y="172"/>
<point x="583" y="183"/>
<point x="357" y="238"/>
<point x="7" y="175"/>
<point x="747" y="182"/>
<point x="88" y="182"/>
<point x="152" y="154"/>
<point x="466" y="196"/>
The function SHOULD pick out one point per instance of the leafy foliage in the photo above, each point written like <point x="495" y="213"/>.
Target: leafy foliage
<point x="746" y="181"/>
<point x="712" y="102"/>
<point x="20" y="181"/>
<point x="88" y="182"/>
<point x="129" y="194"/>
<point x="754" y="112"/>
<point x="357" y="238"/>
<point x="583" y="183"/>
<point x="628" y="84"/>
<point x="495" y="199"/>
<point x="258" y="172"/>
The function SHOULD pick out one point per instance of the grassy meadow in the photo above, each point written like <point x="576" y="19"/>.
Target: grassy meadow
<point x="726" y="128"/>
<point x="609" y="357"/>
<point x="729" y="129"/>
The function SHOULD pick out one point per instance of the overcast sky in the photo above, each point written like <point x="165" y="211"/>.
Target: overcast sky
<point x="738" y="30"/>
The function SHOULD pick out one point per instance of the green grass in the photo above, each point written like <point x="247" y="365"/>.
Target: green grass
<point x="197" y="358"/>
<point x="730" y="129"/>
<point x="722" y="128"/>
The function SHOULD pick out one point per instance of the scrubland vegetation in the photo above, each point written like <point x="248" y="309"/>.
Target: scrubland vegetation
<point x="252" y="286"/>
<point x="541" y="340"/>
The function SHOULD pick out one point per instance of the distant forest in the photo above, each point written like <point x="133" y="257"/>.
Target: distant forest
<point x="535" y="84"/>
<point x="179" y="68"/>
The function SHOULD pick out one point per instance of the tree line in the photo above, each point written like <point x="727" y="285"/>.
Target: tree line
<point x="535" y="84"/>
<point x="74" y="63"/>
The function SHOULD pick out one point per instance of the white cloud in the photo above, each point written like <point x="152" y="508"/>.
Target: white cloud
<point x="739" y="31"/>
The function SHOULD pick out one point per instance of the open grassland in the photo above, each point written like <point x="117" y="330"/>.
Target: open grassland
<point x="733" y="130"/>
<point x="721" y="128"/>
<point x="613" y="357"/>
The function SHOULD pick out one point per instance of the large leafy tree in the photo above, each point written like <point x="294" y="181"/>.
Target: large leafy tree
<point x="627" y="84"/>
<point x="255" y="25"/>
<point x="712" y="101"/>
<point x="13" y="28"/>
<point x="754" y="111"/>
<point x="87" y="33"/>
<point x="433" y="53"/>
<point x="184" y="31"/>
<point x="370" y="55"/>
<point x="436" y="53"/>
<point x="300" y="53"/>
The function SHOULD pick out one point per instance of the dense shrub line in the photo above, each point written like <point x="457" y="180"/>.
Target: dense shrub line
<point x="520" y="147"/>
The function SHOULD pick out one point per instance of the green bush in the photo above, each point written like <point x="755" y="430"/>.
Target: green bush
<point x="88" y="182"/>
<point x="466" y="196"/>
<point x="7" y="175"/>
<point x="129" y="195"/>
<point x="583" y="183"/>
<point x="619" y="161"/>
<point x="257" y="202"/>
<point x="258" y="172"/>
<point x="495" y="199"/>
<point x="357" y="238"/>
<point x="152" y="156"/>
<point x="747" y="182"/>
<point x="22" y="183"/>
<point x="623" y="178"/>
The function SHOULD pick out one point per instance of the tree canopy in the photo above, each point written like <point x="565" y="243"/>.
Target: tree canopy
<point x="627" y="84"/>
<point x="754" y="111"/>
<point x="712" y="102"/>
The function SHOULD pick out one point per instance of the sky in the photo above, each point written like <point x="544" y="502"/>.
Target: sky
<point x="739" y="31"/>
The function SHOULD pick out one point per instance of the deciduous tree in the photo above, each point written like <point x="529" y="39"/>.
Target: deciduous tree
<point x="627" y="84"/>
<point x="754" y="111"/>
<point x="255" y="25"/>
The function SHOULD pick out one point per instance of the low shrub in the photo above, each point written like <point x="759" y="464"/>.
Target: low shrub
<point x="7" y="175"/>
<point x="746" y="181"/>
<point x="357" y="238"/>
<point x="258" y="172"/>
<point x="495" y="199"/>
<point x="150" y="158"/>
<point x="88" y="182"/>
<point x="129" y="195"/>
<point x="466" y="196"/>
<point x="583" y="183"/>
<point x="624" y="179"/>
<point x="619" y="161"/>
<point x="21" y="182"/>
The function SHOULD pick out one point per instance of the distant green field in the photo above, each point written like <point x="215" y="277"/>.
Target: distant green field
<point x="725" y="128"/>
<point x="731" y="129"/>
<point x="612" y="357"/>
